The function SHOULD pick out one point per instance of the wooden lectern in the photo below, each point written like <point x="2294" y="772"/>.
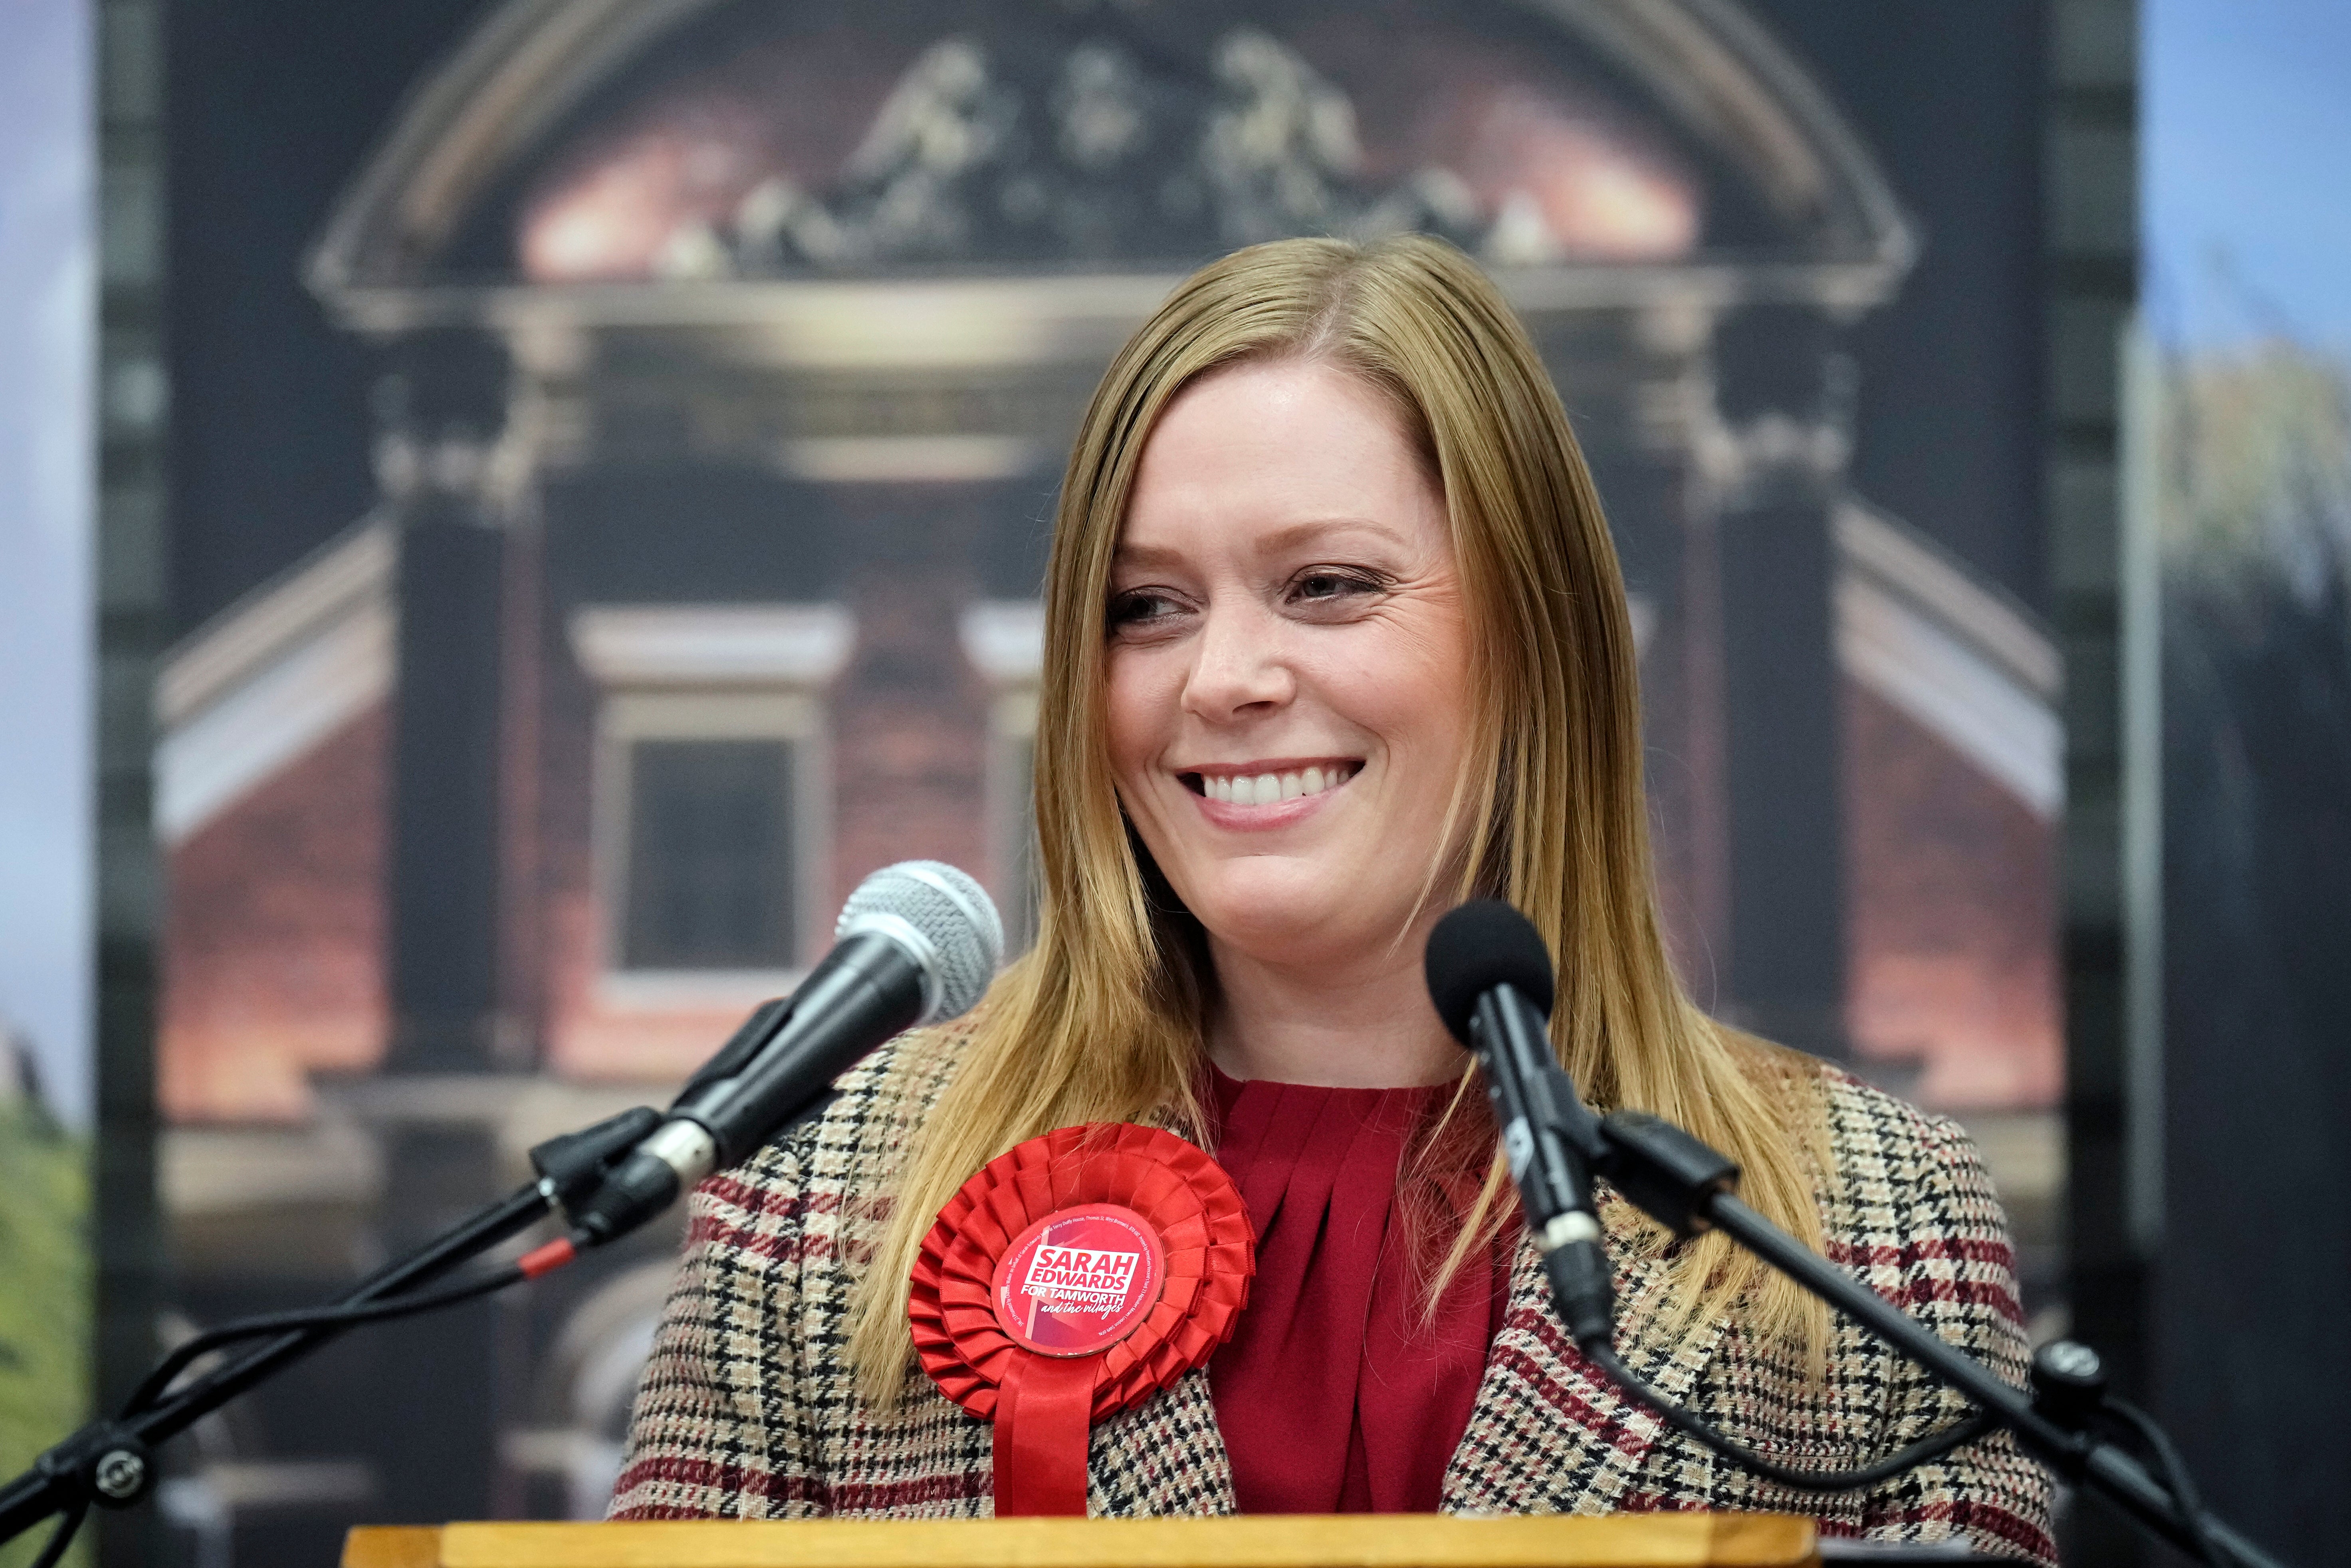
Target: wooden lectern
<point x="1265" y="1541"/>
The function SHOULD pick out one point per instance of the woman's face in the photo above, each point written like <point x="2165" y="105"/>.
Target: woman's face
<point x="1289" y="663"/>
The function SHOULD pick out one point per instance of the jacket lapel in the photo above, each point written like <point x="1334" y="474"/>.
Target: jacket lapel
<point x="1552" y="1434"/>
<point x="1166" y="1456"/>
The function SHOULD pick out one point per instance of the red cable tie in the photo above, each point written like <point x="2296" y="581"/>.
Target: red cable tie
<point x="546" y="1258"/>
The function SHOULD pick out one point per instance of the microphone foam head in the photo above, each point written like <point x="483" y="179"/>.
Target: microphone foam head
<point x="941" y="916"/>
<point x="1478" y="947"/>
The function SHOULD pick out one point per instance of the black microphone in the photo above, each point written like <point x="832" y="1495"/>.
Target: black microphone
<point x="918" y="942"/>
<point x="1490" y="978"/>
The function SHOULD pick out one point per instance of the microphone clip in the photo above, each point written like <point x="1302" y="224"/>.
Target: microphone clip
<point x="1662" y="1171"/>
<point x="602" y="1177"/>
<point x="576" y="1163"/>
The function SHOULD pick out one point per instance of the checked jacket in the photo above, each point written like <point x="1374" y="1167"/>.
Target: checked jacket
<point x="748" y="1407"/>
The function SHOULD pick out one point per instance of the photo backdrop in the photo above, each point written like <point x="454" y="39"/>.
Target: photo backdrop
<point x="613" y="454"/>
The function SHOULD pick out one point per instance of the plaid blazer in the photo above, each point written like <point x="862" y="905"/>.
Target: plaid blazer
<point x="749" y="1407"/>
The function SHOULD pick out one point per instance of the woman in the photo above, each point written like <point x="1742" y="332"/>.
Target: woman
<point x="1335" y="637"/>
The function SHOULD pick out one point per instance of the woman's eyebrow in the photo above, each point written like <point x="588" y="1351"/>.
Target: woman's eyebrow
<point x="1289" y="536"/>
<point x="1146" y="556"/>
<point x="1310" y="530"/>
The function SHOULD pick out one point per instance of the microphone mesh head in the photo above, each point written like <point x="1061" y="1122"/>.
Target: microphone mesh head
<point x="949" y="913"/>
<point x="1482" y="945"/>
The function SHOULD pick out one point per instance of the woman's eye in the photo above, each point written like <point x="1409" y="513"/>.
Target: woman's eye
<point x="1325" y="586"/>
<point x="1138" y="608"/>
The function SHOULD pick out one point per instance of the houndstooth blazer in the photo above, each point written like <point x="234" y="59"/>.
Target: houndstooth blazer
<point x="747" y="1407"/>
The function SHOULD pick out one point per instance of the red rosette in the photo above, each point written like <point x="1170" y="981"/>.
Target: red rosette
<point x="1103" y="1341"/>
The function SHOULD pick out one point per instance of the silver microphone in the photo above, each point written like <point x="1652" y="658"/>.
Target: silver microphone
<point x="916" y="943"/>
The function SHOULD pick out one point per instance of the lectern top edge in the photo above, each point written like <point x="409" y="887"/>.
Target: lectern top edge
<point x="1293" y="1541"/>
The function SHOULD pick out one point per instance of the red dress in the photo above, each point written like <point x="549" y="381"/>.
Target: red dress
<point x="1334" y="1395"/>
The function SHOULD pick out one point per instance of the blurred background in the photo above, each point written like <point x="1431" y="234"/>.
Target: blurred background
<point x="510" y="509"/>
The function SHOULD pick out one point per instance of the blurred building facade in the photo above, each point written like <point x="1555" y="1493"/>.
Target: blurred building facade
<point x="720" y="357"/>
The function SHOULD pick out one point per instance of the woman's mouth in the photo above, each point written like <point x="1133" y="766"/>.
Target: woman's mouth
<point x="1272" y="786"/>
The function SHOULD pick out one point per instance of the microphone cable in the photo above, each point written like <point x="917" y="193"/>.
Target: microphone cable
<point x="2160" y="1448"/>
<point x="158" y="1383"/>
<point x="1977" y="1424"/>
<point x="68" y="1522"/>
<point x="1927" y="1450"/>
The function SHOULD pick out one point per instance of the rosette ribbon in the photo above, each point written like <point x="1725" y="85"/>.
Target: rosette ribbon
<point x="1070" y="1278"/>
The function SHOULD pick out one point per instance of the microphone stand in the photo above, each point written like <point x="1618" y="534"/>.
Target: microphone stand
<point x="1687" y="1187"/>
<point x="110" y="1462"/>
<point x="915" y="943"/>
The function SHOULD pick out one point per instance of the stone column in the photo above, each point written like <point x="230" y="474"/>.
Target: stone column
<point x="1774" y="460"/>
<point x="431" y="1426"/>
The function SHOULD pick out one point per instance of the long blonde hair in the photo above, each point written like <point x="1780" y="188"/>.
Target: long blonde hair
<point x="1101" y="1020"/>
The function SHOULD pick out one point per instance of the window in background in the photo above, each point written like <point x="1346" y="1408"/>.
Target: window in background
<point x="710" y="862"/>
<point x="711" y="805"/>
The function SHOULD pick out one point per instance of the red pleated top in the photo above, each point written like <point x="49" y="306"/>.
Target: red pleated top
<point x="1334" y="1396"/>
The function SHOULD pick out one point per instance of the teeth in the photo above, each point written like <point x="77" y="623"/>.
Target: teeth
<point x="1268" y="789"/>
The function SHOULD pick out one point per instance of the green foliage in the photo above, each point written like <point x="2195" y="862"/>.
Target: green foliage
<point x="2256" y="468"/>
<point x="45" y="1293"/>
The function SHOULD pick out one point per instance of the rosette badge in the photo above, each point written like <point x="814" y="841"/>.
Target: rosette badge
<point x="1072" y="1278"/>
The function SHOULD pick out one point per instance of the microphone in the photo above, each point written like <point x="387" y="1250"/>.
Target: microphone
<point x="1490" y="978"/>
<point x="918" y="942"/>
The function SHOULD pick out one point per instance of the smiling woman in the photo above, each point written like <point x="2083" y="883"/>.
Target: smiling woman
<point x="1335" y="638"/>
<point x="1289" y="709"/>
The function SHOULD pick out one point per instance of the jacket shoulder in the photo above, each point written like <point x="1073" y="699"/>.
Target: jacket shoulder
<point x="1910" y="1211"/>
<point x="1887" y="1149"/>
<point x="1914" y="1211"/>
<point x="905" y="1077"/>
<point x="856" y="1140"/>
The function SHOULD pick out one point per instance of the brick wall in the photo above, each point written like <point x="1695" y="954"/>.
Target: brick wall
<point x="274" y="938"/>
<point x="1952" y="933"/>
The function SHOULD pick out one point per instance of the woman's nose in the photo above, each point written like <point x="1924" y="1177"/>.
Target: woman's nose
<point x="1237" y="664"/>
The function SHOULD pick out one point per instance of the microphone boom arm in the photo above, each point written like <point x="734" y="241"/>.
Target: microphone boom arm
<point x="1687" y="1186"/>
<point x="1490" y="979"/>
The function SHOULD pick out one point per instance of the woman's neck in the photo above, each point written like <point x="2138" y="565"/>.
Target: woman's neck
<point x="1365" y="1025"/>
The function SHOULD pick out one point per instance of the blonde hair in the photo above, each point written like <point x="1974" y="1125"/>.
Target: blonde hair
<point x="1101" y="1020"/>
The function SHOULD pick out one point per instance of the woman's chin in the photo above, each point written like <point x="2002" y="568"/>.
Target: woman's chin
<point x="1290" y="918"/>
